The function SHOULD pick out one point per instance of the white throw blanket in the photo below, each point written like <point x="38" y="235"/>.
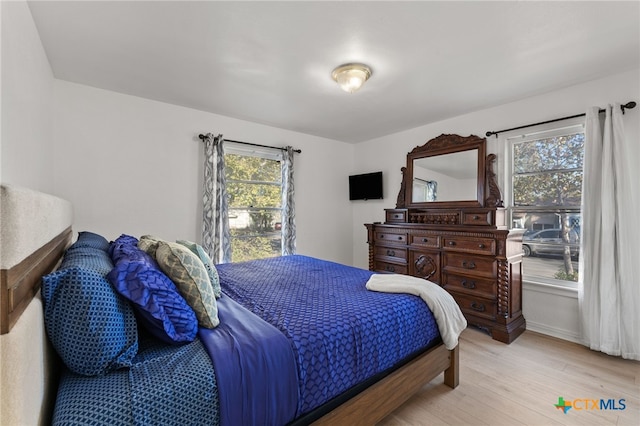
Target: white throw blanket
<point x="445" y="310"/>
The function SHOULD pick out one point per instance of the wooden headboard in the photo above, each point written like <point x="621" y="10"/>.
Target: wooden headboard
<point x="35" y="229"/>
<point x="20" y="284"/>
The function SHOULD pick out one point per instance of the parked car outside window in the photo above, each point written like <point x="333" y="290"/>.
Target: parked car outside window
<point x="549" y="242"/>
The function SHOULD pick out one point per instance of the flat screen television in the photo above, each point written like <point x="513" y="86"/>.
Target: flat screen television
<point x="367" y="186"/>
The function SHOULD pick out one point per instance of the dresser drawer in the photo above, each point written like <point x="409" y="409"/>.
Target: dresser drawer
<point x="425" y="264"/>
<point x="424" y="240"/>
<point x="476" y="218"/>
<point x="389" y="237"/>
<point x="470" y="265"/>
<point x="477" y="306"/>
<point x="393" y="253"/>
<point x="470" y="245"/>
<point x="380" y="266"/>
<point x="393" y="216"/>
<point x="474" y="286"/>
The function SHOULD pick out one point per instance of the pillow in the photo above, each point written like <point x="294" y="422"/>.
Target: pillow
<point x="91" y="326"/>
<point x="208" y="264"/>
<point x="87" y="258"/>
<point x="190" y="276"/>
<point x="149" y="244"/>
<point x="92" y="240"/>
<point x="89" y="252"/>
<point x="160" y="307"/>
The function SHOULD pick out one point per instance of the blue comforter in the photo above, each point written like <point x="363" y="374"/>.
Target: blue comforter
<point x="324" y="333"/>
<point x="340" y="332"/>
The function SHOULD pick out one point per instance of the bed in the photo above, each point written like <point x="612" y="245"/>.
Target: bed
<point x="316" y="368"/>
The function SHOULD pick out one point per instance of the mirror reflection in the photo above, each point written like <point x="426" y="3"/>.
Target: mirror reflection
<point x="448" y="177"/>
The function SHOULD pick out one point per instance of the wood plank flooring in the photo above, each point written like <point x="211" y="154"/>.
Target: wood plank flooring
<point x="519" y="384"/>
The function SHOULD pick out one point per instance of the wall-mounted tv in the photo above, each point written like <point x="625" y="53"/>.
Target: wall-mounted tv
<point x="367" y="186"/>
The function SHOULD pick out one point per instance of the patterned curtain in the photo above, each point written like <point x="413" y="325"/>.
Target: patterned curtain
<point x="288" y="204"/>
<point x="432" y="190"/>
<point x="216" y="237"/>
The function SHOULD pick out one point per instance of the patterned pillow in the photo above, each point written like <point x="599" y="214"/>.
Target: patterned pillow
<point x="149" y="244"/>
<point x="159" y="305"/>
<point x="91" y="326"/>
<point x="88" y="252"/>
<point x="87" y="258"/>
<point x="208" y="264"/>
<point x="92" y="240"/>
<point x="190" y="276"/>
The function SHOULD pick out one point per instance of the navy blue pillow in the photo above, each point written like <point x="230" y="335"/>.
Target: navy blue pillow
<point x="92" y="327"/>
<point x="159" y="305"/>
<point x="87" y="258"/>
<point x="92" y="240"/>
<point x="90" y="251"/>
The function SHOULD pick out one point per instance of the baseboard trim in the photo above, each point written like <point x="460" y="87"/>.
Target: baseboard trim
<point x="553" y="331"/>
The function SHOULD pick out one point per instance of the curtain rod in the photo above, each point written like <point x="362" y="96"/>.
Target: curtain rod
<point x="299" y="151"/>
<point x="628" y="105"/>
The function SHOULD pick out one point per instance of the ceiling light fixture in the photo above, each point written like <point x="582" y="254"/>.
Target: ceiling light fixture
<point x="350" y="77"/>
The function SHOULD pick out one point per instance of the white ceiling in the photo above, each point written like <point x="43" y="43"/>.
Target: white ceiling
<point x="271" y="62"/>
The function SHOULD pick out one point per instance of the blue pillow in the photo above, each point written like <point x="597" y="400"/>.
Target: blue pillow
<point x="88" y="252"/>
<point x="159" y="305"/>
<point x="92" y="240"/>
<point x="91" y="326"/>
<point x="87" y="258"/>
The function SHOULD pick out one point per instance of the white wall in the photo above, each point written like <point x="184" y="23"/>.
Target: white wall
<point x="132" y="165"/>
<point x="545" y="310"/>
<point x="27" y="93"/>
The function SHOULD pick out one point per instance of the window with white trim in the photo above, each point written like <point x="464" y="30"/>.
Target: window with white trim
<point x="544" y="180"/>
<point x="254" y="190"/>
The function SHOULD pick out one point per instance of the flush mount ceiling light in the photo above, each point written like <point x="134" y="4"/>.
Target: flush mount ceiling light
<point x="350" y="77"/>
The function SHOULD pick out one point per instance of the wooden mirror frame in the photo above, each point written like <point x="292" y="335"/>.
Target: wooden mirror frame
<point x="449" y="144"/>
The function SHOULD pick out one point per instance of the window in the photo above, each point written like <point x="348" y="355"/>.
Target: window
<point x="254" y="189"/>
<point x="545" y="184"/>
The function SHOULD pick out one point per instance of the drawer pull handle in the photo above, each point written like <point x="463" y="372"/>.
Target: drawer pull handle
<point x="400" y="237"/>
<point x="481" y="245"/>
<point x="469" y="265"/>
<point x="391" y="253"/>
<point x="425" y="240"/>
<point x="468" y="284"/>
<point x="478" y="307"/>
<point x="396" y="216"/>
<point x="452" y="243"/>
<point x="476" y="217"/>
<point x="381" y="236"/>
<point x="390" y="268"/>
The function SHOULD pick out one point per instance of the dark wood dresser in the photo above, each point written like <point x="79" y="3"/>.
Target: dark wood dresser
<point x="462" y="245"/>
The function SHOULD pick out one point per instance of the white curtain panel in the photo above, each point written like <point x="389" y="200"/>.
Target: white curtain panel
<point x="609" y="295"/>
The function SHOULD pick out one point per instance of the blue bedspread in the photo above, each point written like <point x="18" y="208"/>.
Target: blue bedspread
<point x="341" y="334"/>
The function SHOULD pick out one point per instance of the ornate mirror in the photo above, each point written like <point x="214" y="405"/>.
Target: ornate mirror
<point x="448" y="171"/>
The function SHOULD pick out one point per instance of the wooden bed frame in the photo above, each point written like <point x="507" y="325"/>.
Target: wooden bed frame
<point x="20" y="284"/>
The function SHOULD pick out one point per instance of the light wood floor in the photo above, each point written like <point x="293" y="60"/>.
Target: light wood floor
<point x="518" y="384"/>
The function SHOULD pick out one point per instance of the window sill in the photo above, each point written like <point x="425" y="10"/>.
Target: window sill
<point x="570" y="289"/>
